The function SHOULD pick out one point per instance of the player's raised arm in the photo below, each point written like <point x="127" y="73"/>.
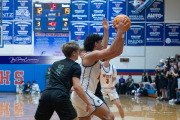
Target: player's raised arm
<point x="105" y="25"/>
<point x="117" y="44"/>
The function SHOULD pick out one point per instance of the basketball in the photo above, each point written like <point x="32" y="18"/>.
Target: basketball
<point x="116" y="20"/>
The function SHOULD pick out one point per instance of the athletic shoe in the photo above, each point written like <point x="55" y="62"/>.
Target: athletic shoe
<point x="162" y="99"/>
<point x="157" y="98"/>
<point x="171" y="101"/>
<point x="177" y="102"/>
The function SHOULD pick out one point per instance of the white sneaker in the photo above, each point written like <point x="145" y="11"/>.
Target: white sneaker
<point x="157" y="98"/>
<point x="175" y="100"/>
<point x="171" y="101"/>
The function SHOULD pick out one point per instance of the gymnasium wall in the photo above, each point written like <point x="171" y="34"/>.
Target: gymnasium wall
<point x="140" y="57"/>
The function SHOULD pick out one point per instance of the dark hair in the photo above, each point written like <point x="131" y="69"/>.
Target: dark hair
<point x="29" y="82"/>
<point x="34" y="81"/>
<point x="69" y="47"/>
<point x="90" y="40"/>
<point x="130" y="75"/>
<point x="22" y="82"/>
<point x="49" y="67"/>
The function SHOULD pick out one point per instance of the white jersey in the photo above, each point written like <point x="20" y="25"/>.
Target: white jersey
<point x="107" y="75"/>
<point x="90" y="76"/>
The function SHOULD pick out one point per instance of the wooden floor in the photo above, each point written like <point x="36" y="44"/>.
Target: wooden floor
<point x="23" y="107"/>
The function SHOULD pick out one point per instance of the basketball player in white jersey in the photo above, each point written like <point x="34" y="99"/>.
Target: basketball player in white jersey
<point x="91" y="68"/>
<point x="108" y="82"/>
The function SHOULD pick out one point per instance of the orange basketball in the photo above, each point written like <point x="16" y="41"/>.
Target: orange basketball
<point x="116" y="20"/>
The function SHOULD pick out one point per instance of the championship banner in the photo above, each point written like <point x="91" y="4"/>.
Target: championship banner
<point x="7" y="32"/>
<point x="98" y="10"/>
<point x="116" y="7"/>
<point x="112" y="35"/>
<point x="23" y="10"/>
<point x="97" y="28"/>
<point x="79" y="10"/>
<point x="154" y="34"/>
<point x="155" y="13"/>
<point x="49" y="44"/>
<point x="23" y="33"/>
<point x="172" y="34"/>
<point x="79" y="31"/>
<point x="136" y="34"/>
<point x="131" y="11"/>
<point x="8" y="13"/>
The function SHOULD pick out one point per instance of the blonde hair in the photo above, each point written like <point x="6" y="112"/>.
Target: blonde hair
<point x="81" y="50"/>
<point x="69" y="47"/>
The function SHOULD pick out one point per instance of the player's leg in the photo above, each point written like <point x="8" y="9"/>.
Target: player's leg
<point x="103" y="113"/>
<point x="44" y="110"/>
<point x="114" y="97"/>
<point x="119" y="106"/>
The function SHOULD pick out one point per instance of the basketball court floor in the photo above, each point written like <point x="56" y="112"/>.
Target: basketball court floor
<point x="23" y="107"/>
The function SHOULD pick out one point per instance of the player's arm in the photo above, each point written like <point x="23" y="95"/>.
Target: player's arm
<point x="105" y="25"/>
<point x="113" y="49"/>
<point x="114" y="78"/>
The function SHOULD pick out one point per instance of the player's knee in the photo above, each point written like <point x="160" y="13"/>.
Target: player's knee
<point x="119" y="106"/>
<point x="111" y="116"/>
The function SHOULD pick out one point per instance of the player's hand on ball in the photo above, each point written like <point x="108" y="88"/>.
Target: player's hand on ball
<point x="105" y="24"/>
<point x="89" y="109"/>
<point x="112" y="87"/>
<point x="121" y="25"/>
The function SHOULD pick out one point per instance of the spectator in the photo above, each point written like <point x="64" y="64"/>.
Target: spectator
<point x="174" y="84"/>
<point x="48" y="74"/>
<point x="129" y="84"/>
<point x="122" y="85"/>
<point x="27" y="88"/>
<point x="144" y="79"/>
<point x="153" y="83"/>
<point x="161" y="63"/>
<point x="177" y="95"/>
<point x="163" y="83"/>
<point x="149" y="80"/>
<point x="178" y="89"/>
<point x="35" y="88"/>
<point x="170" y="81"/>
<point x="172" y="59"/>
<point x="176" y="55"/>
<point x="20" y="88"/>
<point x="157" y="79"/>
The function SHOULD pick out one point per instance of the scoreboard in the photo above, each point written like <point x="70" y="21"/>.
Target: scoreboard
<point x="51" y="17"/>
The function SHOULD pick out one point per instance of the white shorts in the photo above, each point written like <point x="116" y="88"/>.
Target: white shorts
<point x="112" y="93"/>
<point x="81" y="106"/>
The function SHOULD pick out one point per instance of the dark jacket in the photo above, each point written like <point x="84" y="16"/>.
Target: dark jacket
<point x="144" y="79"/>
<point x="149" y="79"/>
<point x="26" y="87"/>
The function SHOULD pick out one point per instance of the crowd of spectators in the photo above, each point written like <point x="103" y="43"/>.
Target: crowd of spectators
<point x="27" y="89"/>
<point x="167" y="79"/>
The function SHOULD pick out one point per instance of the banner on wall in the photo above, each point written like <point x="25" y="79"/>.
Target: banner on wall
<point x="154" y="34"/>
<point x="7" y="32"/>
<point x="131" y="11"/>
<point x="49" y="44"/>
<point x="172" y="34"/>
<point x="136" y="34"/>
<point x="23" y="33"/>
<point x="23" y="10"/>
<point x="79" y="10"/>
<point x="96" y="28"/>
<point x="7" y="9"/>
<point x="112" y="35"/>
<point x="155" y="13"/>
<point x="116" y="7"/>
<point x="79" y="31"/>
<point x="98" y="10"/>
